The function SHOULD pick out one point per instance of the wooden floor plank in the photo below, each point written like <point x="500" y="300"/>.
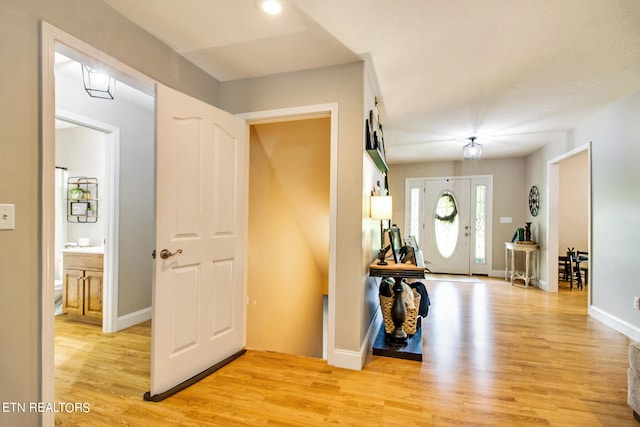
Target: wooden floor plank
<point x="494" y="354"/>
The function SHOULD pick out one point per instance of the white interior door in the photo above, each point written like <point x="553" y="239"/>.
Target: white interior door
<point x="447" y="225"/>
<point x="201" y="220"/>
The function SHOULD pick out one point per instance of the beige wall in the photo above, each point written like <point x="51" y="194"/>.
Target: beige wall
<point x="573" y="207"/>
<point x="508" y="192"/>
<point x="536" y="174"/>
<point x="299" y="152"/>
<point x="342" y="84"/>
<point x="370" y="234"/>
<point x="285" y="283"/>
<point x="98" y="25"/>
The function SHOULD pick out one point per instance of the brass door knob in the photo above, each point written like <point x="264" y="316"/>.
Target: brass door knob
<point x="165" y="254"/>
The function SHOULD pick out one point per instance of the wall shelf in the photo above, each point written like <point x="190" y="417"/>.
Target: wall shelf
<point x="378" y="159"/>
<point x="82" y="199"/>
<point x="374" y="140"/>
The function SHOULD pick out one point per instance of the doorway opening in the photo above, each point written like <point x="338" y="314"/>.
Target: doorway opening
<point x="292" y="211"/>
<point x="577" y="161"/>
<point x="56" y="43"/>
<point x="451" y="218"/>
<point x="288" y="263"/>
<point x="81" y="215"/>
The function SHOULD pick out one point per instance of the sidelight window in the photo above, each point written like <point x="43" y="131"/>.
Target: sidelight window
<point x="481" y="224"/>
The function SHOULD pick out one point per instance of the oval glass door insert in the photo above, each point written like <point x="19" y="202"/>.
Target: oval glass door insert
<point x="446" y="224"/>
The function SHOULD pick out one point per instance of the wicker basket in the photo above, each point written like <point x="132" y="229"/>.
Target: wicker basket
<point x="410" y="324"/>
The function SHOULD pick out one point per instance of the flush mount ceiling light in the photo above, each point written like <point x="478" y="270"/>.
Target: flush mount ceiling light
<point x="472" y="150"/>
<point x="97" y="84"/>
<point x="272" y="7"/>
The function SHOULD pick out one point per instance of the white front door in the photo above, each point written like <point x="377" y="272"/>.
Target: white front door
<point x="447" y="225"/>
<point x="201" y="221"/>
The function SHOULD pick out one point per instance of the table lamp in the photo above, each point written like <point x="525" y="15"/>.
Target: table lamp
<point x="381" y="208"/>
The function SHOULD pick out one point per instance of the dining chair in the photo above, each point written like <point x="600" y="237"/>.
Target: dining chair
<point x="582" y="266"/>
<point x="564" y="268"/>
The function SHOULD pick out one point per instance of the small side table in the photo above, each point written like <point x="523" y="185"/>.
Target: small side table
<point x="529" y="249"/>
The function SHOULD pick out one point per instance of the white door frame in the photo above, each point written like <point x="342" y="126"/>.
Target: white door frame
<point x="553" y="215"/>
<point x="308" y="112"/>
<point x="111" y="249"/>
<point x="53" y="38"/>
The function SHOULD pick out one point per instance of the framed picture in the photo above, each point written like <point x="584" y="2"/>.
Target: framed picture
<point x="79" y="208"/>
<point x="396" y="243"/>
<point x="381" y="144"/>
<point x="370" y="135"/>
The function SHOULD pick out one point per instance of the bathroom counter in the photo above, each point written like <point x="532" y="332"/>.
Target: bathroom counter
<point x="85" y="250"/>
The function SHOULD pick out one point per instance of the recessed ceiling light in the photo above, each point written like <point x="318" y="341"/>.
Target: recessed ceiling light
<point x="272" y="7"/>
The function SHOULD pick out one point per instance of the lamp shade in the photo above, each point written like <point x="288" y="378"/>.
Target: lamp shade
<point x="472" y="150"/>
<point x="381" y="207"/>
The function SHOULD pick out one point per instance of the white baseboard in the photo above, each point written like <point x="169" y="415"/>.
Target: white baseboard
<point x="134" y="318"/>
<point x="538" y="283"/>
<point x="497" y="273"/>
<point x="355" y="360"/>
<point x="625" y="328"/>
<point x="542" y="284"/>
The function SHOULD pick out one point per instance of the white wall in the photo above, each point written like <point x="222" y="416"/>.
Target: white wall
<point x="615" y="137"/>
<point x="82" y="151"/>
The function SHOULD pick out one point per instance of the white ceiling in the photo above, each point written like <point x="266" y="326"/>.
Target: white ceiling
<point x="517" y="73"/>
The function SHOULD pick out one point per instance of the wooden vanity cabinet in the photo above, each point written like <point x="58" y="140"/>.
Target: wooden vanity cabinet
<point x="82" y="296"/>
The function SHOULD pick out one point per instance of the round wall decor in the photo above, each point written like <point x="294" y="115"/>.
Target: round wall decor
<point x="534" y="200"/>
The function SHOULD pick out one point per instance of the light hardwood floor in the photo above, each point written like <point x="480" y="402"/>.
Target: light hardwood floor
<point x="493" y="355"/>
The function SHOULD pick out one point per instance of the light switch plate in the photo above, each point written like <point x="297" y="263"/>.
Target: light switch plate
<point x="506" y="220"/>
<point x="7" y="217"/>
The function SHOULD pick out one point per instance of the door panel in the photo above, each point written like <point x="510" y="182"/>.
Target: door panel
<point x="73" y="291"/>
<point x="223" y="195"/>
<point x="447" y="225"/>
<point x="184" y="290"/>
<point x="222" y="304"/>
<point x="201" y="220"/>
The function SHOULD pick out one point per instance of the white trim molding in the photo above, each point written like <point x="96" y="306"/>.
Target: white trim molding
<point x="355" y="360"/>
<point x="625" y="328"/>
<point x="131" y="319"/>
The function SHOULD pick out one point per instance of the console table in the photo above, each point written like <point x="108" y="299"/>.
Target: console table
<point x="397" y="344"/>
<point x="529" y="249"/>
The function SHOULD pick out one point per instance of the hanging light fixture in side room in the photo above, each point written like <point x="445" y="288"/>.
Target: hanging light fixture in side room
<point x="97" y="84"/>
<point x="472" y="150"/>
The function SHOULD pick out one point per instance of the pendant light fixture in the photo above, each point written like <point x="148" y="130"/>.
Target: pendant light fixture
<point x="97" y="84"/>
<point x="472" y="150"/>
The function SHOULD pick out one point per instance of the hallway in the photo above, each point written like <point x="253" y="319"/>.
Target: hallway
<point x="494" y="354"/>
